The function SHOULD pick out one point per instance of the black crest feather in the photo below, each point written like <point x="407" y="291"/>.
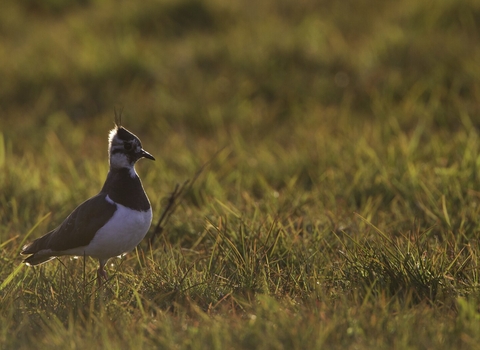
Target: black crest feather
<point x="118" y="116"/>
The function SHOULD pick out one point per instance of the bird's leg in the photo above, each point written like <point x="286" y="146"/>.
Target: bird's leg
<point x="101" y="273"/>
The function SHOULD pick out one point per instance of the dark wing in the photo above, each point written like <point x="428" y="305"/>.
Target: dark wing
<point x="79" y="227"/>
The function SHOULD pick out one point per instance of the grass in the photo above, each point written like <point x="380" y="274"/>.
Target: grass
<point x="341" y="210"/>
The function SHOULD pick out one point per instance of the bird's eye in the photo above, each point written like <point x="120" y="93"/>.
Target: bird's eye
<point x="127" y="146"/>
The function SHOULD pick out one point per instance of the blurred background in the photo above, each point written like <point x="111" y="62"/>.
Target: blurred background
<point x="288" y="87"/>
<point x="212" y="67"/>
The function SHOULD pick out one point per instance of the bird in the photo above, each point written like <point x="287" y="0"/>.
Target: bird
<point x="110" y="224"/>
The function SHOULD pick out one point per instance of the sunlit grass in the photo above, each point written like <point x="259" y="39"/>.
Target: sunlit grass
<point x="340" y="209"/>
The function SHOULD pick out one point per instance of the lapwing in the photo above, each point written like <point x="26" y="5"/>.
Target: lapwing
<point x="109" y="224"/>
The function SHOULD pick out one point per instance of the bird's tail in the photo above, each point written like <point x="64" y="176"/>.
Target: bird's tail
<point x="37" y="259"/>
<point x="38" y="252"/>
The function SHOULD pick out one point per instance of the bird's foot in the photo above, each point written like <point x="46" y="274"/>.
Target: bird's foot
<point x="101" y="273"/>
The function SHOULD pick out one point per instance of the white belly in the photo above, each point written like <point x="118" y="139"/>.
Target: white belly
<point x="121" y="234"/>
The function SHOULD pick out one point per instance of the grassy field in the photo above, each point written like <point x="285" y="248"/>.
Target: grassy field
<point x="339" y="202"/>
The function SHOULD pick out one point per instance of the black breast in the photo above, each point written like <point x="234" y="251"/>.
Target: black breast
<point x="126" y="190"/>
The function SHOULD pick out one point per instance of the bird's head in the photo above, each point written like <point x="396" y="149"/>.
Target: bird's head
<point x="125" y="148"/>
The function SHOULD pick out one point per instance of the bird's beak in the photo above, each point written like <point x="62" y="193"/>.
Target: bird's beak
<point x="145" y="154"/>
